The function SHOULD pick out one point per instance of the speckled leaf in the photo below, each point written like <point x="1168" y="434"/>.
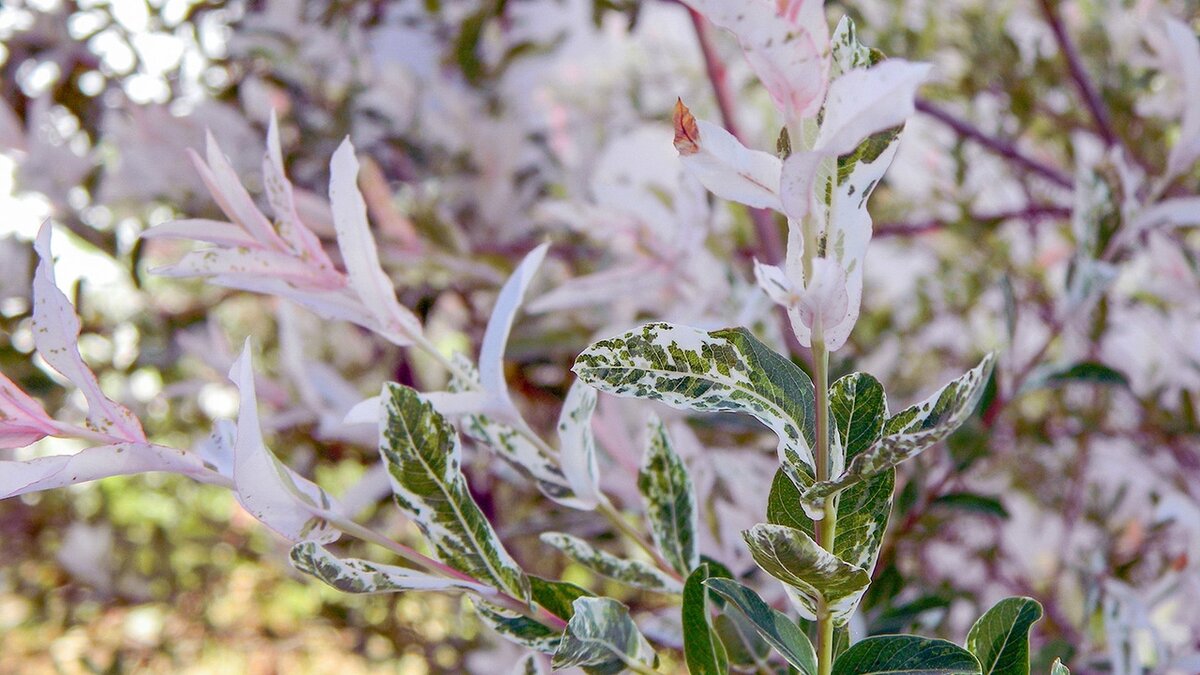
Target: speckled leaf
<point x="351" y="575"/>
<point x="848" y="53"/>
<point x="600" y="632"/>
<point x="907" y="433"/>
<point x="702" y="649"/>
<point x="1000" y="638"/>
<point x="723" y="370"/>
<point x="905" y="655"/>
<point x="554" y="596"/>
<point x="811" y="573"/>
<point x="671" y="509"/>
<point x="423" y="456"/>
<point x="772" y="625"/>
<point x="633" y="572"/>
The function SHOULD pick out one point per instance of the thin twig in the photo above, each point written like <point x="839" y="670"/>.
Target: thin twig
<point x="1001" y="146"/>
<point x="1091" y="97"/>
<point x="1031" y="213"/>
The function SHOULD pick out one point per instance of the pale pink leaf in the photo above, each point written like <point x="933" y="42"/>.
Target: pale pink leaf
<point x="357" y="244"/>
<point x="868" y="100"/>
<point x="284" y="501"/>
<point x="775" y="283"/>
<point x="201" y="229"/>
<point x="227" y="189"/>
<point x="281" y="197"/>
<point x="119" y="459"/>
<point x="1184" y="55"/>
<point x="243" y="262"/>
<point x="56" y="336"/>
<point x="22" y="419"/>
<point x="786" y="43"/>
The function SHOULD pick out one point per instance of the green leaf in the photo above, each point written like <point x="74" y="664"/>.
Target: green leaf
<point x="905" y="655"/>
<point x="670" y="500"/>
<point x="702" y="649"/>
<point x="772" y="625"/>
<point x="423" y="457"/>
<point x="555" y="597"/>
<point x="725" y="370"/>
<point x="351" y="575"/>
<point x="633" y="572"/>
<point x="600" y="632"/>
<point x="975" y="503"/>
<point x="907" y="433"/>
<point x="816" y="575"/>
<point x="743" y="645"/>
<point x="528" y="665"/>
<point x="1086" y="372"/>
<point x="1000" y="638"/>
<point x="1059" y="669"/>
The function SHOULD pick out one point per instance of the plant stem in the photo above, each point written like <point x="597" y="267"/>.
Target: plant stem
<point x="610" y="512"/>
<point x="825" y="530"/>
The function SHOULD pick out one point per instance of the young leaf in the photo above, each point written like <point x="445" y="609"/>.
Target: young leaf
<point x="1000" y="638"/>
<point x="848" y="53"/>
<point x="633" y="572"/>
<point x="1057" y="668"/>
<point x="495" y="337"/>
<point x="120" y="459"/>
<point x="361" y="257"/>
<point x="601" y="632"/>
<point x="577" y="445"/>
<point x="423" y="456"/>
<point x="56" y="336"/>
<point x="865" y="101"/>
<point x="722" y="164"/>
<point x="670" y="500"/>
<point x="815" y="575"/>
<point x="702" y="649"/>
<point x="724" y="370"/>
<point x="351" y="575"/>
<point x="907" y="654"/>
<point x="22" y="419"/>
<point x="555" y="597"/>
<point x="907" y="433"/>
<point x="772" y="625"/>
<point x="282" y="500"/>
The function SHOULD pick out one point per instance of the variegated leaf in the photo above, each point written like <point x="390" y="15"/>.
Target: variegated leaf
<point x="907" y="433"/>
<point x="671" y="508"/>
<point x="530" y="664"/>
<point x="351" y="575"/>
<point x="423" y="455"/>
<point x="555" y="597"/>
<point x="577" y="445"/>
<point x="848" y="53"/>
<point x="812" y="574"/>
<point x="632" y="572"/>
<point x="724" y="370"/>
<point x="1000" y="638"/>
<point x="601" y="632"/>
<point x="1057" y="668"/>
<point x="772" y="625"/>
<point x="722" y="164"/>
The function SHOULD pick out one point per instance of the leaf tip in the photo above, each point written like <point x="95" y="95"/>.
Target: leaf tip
<point x="687" y="133"/>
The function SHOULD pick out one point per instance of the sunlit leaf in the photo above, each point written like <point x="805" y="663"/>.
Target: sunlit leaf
<point x="600" y="632"/>
<point x="633" y="572"/>
<point x="1000" y="638"/>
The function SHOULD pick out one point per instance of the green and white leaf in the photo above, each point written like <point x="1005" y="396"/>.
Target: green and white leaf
<point x="702" y="648"/>
<point x="812" y="574"/>
<point x="725" y="370"/>
<point x="1000" y="638"/>
<point x="600" y="632"/>
<point x="352" y="575"/>
<point x="632" y="572"/>
<point x="1057" y="668"/>
<point x="577" y="445"/>
<point x="772" y="625"/>
<point x="848" y="53"/>
<point x="905" y="655"/>
<point x="555" y="597"/>
<point x="529" y="664"/>
<point x="670" y="499"/>
<point x="514" y="448"/>
<point x="423" y="456"/>
<point x="907" y="433"/>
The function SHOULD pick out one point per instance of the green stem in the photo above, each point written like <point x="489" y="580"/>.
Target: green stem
<point x="610" y="512"/>
<point x="825" y="530"/>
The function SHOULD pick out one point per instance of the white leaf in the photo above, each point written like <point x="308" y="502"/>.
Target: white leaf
<point x="201" y="229"/>
<point x="56" y="336"/>
<point x="823" y="300"/>
<point x="222" y="181"/>
<point x="281" y="196"/>
<point x="578" y="444"/>
<point x="495" y="337"/>
<point x="22" y="419"/>
<point x="367" y="411"/>
<point x="283" y="500"/>
<point x="1185" y="55"/>
<point x="868" y="100"/>
<point x="119" y="459"/>
<point x="722" y="164"/>
<point x="357" y="244"/>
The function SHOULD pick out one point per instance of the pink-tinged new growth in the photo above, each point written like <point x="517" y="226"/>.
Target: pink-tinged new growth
<point x="286" y="258"/>
<point x="723" y="165"/>
<point x="22" y="419"/>
<point x="786" y="43"/>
